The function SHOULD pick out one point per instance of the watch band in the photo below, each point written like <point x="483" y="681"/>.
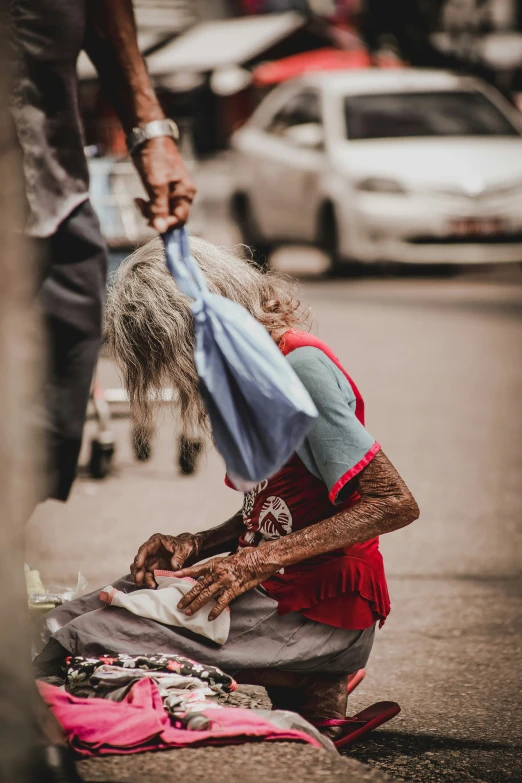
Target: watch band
<point x="151" y="130"/>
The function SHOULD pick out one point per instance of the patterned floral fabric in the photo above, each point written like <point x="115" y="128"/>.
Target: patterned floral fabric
<point x="79" y="670"/>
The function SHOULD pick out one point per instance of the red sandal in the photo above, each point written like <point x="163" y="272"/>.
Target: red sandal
<point x="369" y="719"/>
<point x="355" y="679"/>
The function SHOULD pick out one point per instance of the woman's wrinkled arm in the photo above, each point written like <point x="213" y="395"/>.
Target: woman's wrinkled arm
<point x="222" y="538"/>
<point x="386" y="504"/>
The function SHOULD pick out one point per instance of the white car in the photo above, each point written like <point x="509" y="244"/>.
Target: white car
<point x="408" y="166"/>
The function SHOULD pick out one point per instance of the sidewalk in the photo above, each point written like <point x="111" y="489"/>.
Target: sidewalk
<point x="251" y="763"/>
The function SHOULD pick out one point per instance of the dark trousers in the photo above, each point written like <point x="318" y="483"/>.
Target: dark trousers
<point x="72" y="295"/>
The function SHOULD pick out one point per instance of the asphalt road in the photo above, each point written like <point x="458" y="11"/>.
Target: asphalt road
<point x="438" y="361"/>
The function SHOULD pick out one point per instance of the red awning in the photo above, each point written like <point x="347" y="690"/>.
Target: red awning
<point x="318" y="60"/>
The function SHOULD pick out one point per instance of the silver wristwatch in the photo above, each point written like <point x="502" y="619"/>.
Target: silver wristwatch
<point x="151" y="130"/>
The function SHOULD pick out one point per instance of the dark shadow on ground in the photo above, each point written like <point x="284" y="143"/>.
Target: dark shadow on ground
<point x="383" y="271"/>
<point x="393" y="742"/>
<point x="428" y="758"/>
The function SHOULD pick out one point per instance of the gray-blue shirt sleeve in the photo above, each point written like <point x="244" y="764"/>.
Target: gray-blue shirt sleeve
<point x="337" y="446"/>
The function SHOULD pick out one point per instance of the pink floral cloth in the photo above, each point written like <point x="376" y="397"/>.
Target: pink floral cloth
<point x="140" y="723"/>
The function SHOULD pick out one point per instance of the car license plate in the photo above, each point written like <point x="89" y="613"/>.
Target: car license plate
<point x="477" y="227"/>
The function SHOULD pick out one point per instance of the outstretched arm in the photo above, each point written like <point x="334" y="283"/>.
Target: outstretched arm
<point x="111" y="43"/>
<point x="386" y="504"/>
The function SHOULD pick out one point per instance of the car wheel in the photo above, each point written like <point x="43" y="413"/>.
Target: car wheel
<point x="329" y="241"/>
<point x="243" y="216"/>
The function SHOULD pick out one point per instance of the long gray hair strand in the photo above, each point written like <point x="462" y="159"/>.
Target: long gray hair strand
<point x="149" y="326"/>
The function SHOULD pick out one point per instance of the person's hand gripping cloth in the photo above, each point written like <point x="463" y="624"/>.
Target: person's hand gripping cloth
<point x="259" y="410"/>
<point x="161" y="605"/>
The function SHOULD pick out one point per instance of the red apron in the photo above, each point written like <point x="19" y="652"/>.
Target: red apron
<point x="345" y="588"/>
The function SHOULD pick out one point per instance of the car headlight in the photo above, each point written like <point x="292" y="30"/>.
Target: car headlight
<point x="380" y="185"/>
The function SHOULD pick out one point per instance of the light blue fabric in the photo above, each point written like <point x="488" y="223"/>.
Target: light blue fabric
<point x="336" y="441"/>
<point x="258" y="409"/>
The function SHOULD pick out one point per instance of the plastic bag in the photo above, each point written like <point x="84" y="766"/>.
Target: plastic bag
<point x="41" y="600"/>
<point x="52" y="595"/>
<point x="259" y="410"/>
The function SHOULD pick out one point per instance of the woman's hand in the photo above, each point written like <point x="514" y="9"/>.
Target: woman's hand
<point x="163" y="553"/>
<point x="224" y="578"/>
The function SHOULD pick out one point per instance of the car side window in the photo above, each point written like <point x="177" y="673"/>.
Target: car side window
<point x="302" y="109"/>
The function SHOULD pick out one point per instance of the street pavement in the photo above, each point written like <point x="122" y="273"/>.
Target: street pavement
<point x="438" y="362"/>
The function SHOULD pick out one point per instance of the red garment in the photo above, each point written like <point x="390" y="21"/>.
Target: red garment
<point x="95" y="727"/>
<point x="345" y="588"/>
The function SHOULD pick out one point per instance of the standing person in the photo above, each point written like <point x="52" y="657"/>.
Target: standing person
<point x="45" y="37"/>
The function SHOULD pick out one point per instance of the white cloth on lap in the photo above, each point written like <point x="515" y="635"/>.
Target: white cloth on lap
<point x="161" y="605"/>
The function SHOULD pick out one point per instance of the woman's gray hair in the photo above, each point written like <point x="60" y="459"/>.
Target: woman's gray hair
<point x="149" y="324"/>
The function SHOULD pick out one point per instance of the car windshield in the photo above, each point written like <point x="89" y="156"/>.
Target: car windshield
<point x="411" y="114"/>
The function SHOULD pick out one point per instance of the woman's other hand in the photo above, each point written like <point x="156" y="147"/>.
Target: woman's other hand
<point x="163" y="553"/>
<point x="224" y="578"/>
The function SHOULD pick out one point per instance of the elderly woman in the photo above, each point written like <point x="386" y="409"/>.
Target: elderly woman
<point x="305" y="579"/>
